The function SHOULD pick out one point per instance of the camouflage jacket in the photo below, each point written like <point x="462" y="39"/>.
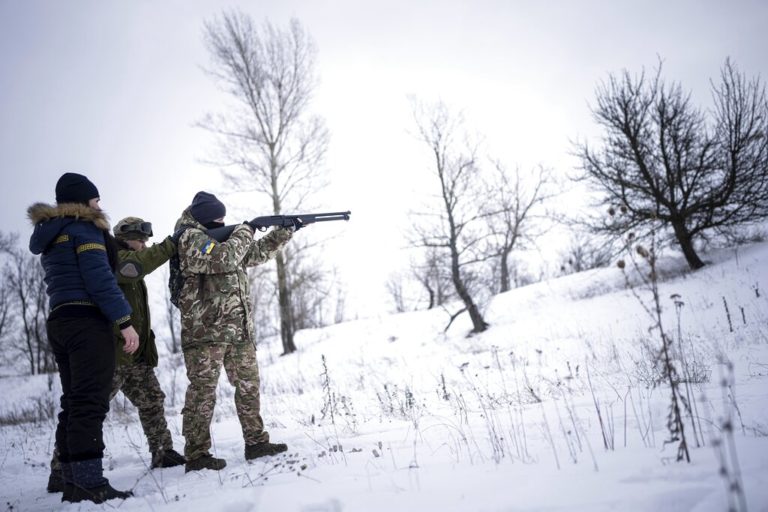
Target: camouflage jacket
<point x="132" y="267"/>
<point x="215" y="299"/>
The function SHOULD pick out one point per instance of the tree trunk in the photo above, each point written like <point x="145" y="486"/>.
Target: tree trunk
<point x="686" y="244"/>
<point x="431" y="297"/>
<point x="284" y="301"/>
<point x="504" y="272"/>
<point x="478" y="324"/>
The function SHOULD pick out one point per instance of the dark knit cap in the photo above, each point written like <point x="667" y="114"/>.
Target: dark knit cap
<point x="75" y="188"/>
<point x="206" y="208"/>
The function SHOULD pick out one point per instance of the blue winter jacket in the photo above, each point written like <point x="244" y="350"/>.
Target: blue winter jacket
<point x="70" y="238"/>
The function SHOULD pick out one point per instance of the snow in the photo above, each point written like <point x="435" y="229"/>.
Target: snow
<point x="393" y="413"/>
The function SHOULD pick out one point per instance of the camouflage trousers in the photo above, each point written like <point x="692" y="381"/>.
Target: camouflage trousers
<point x="204" y="362"/>
<point x="140" y="386"/>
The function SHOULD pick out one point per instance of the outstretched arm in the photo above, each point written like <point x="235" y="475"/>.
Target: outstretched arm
<point x="135" y="265"/>
<point x="266" y="247"/>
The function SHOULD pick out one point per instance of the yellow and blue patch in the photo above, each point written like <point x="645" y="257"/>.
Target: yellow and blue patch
<point x="208" y="247"/>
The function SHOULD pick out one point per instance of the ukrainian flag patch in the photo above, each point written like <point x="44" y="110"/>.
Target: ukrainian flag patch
<point x="208" y="247"/>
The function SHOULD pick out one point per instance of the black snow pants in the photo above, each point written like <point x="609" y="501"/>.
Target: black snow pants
<point x="84" y="349"/>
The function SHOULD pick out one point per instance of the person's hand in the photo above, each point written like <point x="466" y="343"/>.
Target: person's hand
<point x="176" y="235"/>
<point x="131" y="339"/>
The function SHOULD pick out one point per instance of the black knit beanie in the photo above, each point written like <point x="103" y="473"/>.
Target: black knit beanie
<point x="206" y="208"/>
<point x="75" y="188"/>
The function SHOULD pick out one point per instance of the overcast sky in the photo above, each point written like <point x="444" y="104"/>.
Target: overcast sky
<point x="112" y="89"/>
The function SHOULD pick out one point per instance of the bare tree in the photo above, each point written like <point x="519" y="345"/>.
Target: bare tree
<point x="8" y="242"/>
<point x="24" y="278"/>
<point x="314" y="290"/>
<point x="426" y="282"/>
<point x="514" y="205"/>
<point x="396" y="290"/>
<point x="662" y="158"/>
<point x="266" y="316"/>
<point x="269" y="143"/>
<point x="452" y="223"/>
<point x="6" y="317"/>
<point x="584" y="252"/>
<point x="310" y="286"/>
<point x="434" y="276"/>
<point x="520" y="274"/>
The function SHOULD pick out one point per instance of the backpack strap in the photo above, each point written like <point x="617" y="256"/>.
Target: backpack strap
<point x="175" y="278"/>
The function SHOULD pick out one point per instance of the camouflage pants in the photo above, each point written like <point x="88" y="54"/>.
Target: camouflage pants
<point x="140" y="386"/>
<point x="204" y="362"/>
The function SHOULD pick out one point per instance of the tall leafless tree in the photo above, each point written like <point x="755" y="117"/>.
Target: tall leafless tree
<point x="663" y="158"/>
<point x="268" y="141"/>
<point x="515" y="207"/>
<point x="453" y="224"/>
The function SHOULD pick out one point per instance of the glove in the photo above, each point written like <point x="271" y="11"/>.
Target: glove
<point x="176" y="235"/>
<point x="255" y="227"/>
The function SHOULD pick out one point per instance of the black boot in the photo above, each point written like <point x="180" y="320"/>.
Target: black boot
<point x="207" y="461"/>
<point x="56" y="481"/>
<point x="75" y="493"/>
<point x="254" y="451"/>
<point x="167" y="459"/>
<point x="88" y="483"/>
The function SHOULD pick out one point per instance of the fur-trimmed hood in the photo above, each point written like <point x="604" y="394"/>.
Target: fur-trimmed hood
<point x="41" y="212"/>
<point x="50" y="220"/>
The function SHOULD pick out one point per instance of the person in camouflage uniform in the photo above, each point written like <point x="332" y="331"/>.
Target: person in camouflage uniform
<point x="134" y="374"/>
<point x="217" y="328"/>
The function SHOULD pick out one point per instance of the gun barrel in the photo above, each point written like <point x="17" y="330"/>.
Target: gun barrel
<point x="322" y="217"/>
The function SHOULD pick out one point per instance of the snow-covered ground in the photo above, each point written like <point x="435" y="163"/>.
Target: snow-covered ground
<point x="394" y="413"/>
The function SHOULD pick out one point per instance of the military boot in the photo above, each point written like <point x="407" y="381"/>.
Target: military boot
<point x="167" y="459"/>
<point x="207" y="461"/>
<point x="74" y="493"/>
<point x="254" y="451"/>
<point x="56" y="481"/>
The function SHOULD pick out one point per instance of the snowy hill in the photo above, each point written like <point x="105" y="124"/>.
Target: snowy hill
<point x="555" y="407"/>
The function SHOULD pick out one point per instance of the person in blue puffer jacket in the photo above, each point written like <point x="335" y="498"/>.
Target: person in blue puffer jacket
<point x="79" y="256"/>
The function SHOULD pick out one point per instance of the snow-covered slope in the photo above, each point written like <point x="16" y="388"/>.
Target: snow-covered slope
<point x="555" y="407"/>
